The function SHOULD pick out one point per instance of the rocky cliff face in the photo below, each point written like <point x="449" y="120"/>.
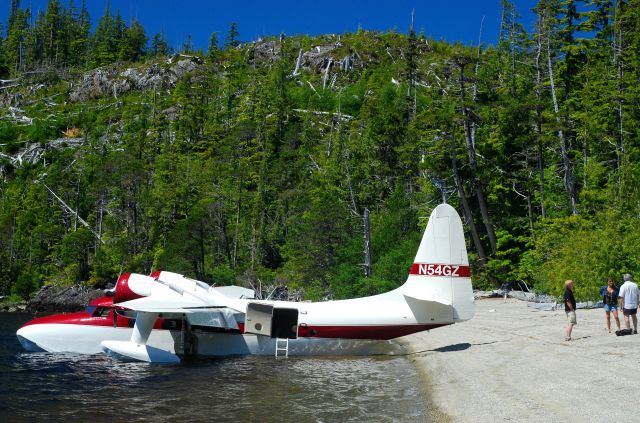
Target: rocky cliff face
<point x="108" y="81"/>
<point x="68" y="299"/>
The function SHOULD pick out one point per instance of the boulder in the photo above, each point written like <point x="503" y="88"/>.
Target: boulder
<point x="66" y="299"/>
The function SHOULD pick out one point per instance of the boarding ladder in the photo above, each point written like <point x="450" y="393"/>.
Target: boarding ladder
<point x="282" y="346"/>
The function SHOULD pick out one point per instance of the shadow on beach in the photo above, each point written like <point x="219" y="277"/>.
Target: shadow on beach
<point x="453" y="347"/>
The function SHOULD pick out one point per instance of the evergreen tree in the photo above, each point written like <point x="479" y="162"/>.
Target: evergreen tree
<point x="103" y="41"/>
<point x="53" y="30"/>
<point x="187" y="46"/>
<point x="17" y="43"/>
<point x="4" y="66"/>
<point x="134" y="44"/>
<point x="231" y="40"/>
<point x="213" y="49"/>
<point x="13" y="12"/>
<point x="80" y="35"/>
<point x="159" y="46"/>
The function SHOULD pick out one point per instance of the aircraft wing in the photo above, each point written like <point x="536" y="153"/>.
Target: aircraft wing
<point x="196" y="311"/>
<point x="165" y="305"/>
<point x="180" y="295"/>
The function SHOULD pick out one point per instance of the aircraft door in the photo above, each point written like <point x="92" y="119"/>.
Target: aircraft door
<point x="258" y="319"/>
<point x="285" y="323"/>
<point x="275" y="322"/>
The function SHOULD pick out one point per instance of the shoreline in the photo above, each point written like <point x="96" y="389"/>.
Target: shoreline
<point x="510" y="362"/>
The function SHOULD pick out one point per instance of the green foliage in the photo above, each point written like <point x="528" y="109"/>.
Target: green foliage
<point x="241" y="170"/>
<point x="27" y="283"/>
<point x="583" y="250"/>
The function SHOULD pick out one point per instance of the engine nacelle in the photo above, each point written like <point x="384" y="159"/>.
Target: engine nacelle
<point x="131" y="286"/>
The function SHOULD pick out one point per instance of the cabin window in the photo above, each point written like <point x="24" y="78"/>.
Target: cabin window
<point x="90" y="309"/>
<point x="101" y="312"/>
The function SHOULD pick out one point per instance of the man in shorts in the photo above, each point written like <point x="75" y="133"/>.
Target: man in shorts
<point x="628" y="298"/>
<point x="569" y="308"/>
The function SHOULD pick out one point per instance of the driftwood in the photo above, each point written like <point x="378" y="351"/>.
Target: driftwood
<point x="340" y="116"/>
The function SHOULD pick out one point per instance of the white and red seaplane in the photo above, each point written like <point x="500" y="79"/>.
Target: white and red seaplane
<point x="161" y="317"/>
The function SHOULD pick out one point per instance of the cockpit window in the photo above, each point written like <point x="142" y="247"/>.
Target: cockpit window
<point x="90" y="309"/>
<point x="101" y="312"/>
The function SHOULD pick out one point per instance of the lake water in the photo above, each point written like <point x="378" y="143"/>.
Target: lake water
<point x="68" y="387"/>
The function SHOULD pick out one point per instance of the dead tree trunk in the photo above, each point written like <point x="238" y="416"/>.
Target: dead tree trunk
<point x="618" y="62"/>
<point x="475" y="82"/>
<point x="237" y="229"/>
<point x="367" y="244"/>
<point x="471" y="151"/>
<point x="99" y="224"/>
<point x="538" y="120"/>
<point x="564" y="153"/>
<point x="326" y="74"/>
<point x="296" y="71"/>
<point x="465" y="204"/>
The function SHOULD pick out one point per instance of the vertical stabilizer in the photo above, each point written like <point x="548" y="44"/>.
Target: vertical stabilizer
<point x="440" y="272"/>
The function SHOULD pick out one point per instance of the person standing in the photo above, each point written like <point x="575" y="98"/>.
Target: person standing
<point x="569" y="308"/>
<point x="609" y="294"/>
<point x="629" y="302"/>
<point x="504" y="288"/>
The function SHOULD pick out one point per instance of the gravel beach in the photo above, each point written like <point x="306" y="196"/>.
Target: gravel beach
<point x="511" y="363"/>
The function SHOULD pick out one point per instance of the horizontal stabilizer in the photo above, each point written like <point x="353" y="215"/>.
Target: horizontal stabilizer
<point x="429" y="296"/>
<point x="130" y="351"/>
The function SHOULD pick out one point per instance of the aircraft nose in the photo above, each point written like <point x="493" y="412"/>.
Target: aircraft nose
<point x="26" y="336"/>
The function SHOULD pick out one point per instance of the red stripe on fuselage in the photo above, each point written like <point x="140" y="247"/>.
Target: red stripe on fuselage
<point x="363" y="332"/>
<point x="436" y="269"/>
<point x="83" y="318"/>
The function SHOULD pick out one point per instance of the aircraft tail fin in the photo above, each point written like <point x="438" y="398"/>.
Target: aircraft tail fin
<point x="440" y="272"/>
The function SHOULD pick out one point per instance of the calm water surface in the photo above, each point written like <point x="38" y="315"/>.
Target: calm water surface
<point x="66" y="387"/>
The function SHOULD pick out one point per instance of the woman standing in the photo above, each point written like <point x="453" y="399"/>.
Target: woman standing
<point x="609" y="294"/>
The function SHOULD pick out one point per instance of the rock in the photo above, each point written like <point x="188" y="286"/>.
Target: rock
<point x="12" y="308"/>
<point x="54" y="299"/>
<point x="109" y="82"/>
<point x="267" y="51"/>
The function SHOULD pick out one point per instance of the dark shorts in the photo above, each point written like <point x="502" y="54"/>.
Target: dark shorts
<point x="629" y="311"/>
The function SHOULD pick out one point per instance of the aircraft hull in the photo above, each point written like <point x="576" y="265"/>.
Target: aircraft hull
<point x="87" y="339"/>
<point x="84" y="339"/>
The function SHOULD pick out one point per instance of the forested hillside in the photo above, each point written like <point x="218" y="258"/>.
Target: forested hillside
<point x="269" y="160"/>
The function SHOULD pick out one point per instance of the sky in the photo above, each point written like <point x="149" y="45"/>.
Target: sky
<point x="450" y="20"/>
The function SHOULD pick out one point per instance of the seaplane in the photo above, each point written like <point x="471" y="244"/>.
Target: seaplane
<point x="165" y="317"/>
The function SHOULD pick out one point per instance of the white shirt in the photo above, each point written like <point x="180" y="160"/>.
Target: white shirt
<point x="629" y="290"/>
